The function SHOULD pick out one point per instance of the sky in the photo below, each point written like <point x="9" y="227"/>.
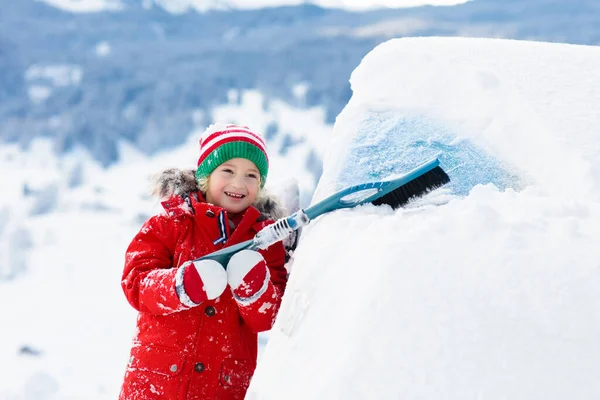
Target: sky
<point x="178" y="6"/>
<point x="487" y="288"/>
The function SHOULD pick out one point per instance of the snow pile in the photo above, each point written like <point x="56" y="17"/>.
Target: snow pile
<point x="494" y="295"/>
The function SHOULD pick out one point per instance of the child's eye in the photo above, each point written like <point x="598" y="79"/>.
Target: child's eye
<point x="228" y="170"/>
<point x="253" y="176"/>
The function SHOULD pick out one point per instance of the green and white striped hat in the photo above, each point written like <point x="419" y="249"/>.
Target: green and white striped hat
<point x="220" y="143"/>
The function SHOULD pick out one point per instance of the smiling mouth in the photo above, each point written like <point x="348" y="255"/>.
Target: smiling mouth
<point x="235" y="195"/>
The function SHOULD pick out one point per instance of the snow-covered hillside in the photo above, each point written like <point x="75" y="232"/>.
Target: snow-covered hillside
<point x="133" y="72"/>
<point x="490" y="296"/>
<point x="179" y="6"/>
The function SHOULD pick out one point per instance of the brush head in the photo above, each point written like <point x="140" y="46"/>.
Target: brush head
<point x="419" y="186"/>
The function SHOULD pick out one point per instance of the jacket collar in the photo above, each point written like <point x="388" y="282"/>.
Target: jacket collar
<point x="195" y="204"/>
<point x="248" y="220"/>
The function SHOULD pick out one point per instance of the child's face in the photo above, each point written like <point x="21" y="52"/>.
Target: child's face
<point x="233" y="185"/>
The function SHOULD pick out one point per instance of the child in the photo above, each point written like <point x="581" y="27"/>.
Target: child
<point x="197" y="325"/>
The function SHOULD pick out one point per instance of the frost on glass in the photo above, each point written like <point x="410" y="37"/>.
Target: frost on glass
<point x="388" y="144"/>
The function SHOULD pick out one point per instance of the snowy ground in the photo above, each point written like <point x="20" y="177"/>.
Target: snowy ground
<point x="491" y="296"/>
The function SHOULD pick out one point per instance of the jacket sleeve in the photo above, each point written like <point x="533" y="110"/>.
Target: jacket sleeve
<point x="259" y="313"/>
<point x="149" y="276"/>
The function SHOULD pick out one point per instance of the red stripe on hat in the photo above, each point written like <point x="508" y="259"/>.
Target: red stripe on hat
<point x="214" y="135"/>
<point x="219" y="143"/>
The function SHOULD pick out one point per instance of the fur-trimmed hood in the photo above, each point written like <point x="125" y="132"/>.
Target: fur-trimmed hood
<point x="181" y="182"/>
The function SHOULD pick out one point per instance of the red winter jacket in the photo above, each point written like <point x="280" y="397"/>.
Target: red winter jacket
<point x="193" y="353"/>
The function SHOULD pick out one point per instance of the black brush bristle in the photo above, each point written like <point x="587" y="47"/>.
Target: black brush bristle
<point x="419" y="186"/>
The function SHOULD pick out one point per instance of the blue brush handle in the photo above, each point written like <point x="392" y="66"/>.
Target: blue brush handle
<point x="367" y="192"/>
<point x="222" y="256"/>
<point x="346" y="198"/>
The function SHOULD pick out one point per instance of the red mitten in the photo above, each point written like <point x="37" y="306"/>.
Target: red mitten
<point x="248" y="275"/>
<point x="200" y="281"/>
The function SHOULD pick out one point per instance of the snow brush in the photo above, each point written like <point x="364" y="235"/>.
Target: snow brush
<point x="395" y="193"/>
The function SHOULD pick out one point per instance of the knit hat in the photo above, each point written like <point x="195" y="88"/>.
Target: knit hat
<point x="220" y="143"/>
